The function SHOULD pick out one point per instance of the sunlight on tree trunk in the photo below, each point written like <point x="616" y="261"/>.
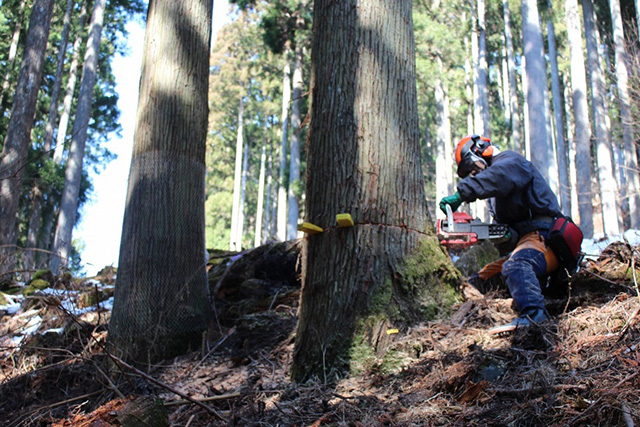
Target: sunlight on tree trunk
<point x="581" y="119"/>
<point x="161" y="306"/>
<point x="363" y="159"/>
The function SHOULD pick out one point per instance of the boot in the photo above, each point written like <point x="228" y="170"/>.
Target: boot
<point x="530" y="316"/>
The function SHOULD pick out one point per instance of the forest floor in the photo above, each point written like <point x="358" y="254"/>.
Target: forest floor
<point x="579" y="369"/>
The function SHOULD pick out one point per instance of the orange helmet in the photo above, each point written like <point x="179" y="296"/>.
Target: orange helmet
<point x="472" y="149"/>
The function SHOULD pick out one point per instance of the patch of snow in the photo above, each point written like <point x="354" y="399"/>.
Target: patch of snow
<point x="107" y="304"/>
<point x="593" y="247"/>
<point x="14" y="302"/>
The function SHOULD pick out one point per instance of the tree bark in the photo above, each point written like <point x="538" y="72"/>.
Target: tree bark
<point x="161" y="306"/>
<point x="16" y="146"/>
<point x="13" y="51"/>
<point x="581" y="119"/>
<point x="236" y="227"/>
<point x="536" y="76"/>
<point x="71" y="87"/>
<point x="482" y="78"/>
<point x="562" y="180"/>
<point x="73" y="170"/>
<point x="281" y="217"/>
<point x="294" y="153"/>
<point x="622" y="80"/>
<point x="444" y="150"/>
<point x="363" y="159"/>
<point x="261" y="183"/>
<point x="516" y="135"/>
<point x="37" y="198"/>
<point x="604" y="152"/>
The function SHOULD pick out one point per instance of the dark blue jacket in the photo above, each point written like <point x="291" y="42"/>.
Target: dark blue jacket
<point x="519" y="190"/>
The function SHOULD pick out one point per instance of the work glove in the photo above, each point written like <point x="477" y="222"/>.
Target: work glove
<point x="453" y="200"/>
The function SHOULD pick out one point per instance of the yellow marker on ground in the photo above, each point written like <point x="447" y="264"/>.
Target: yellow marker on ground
<point x="344" y="220"/>
<point x="307" y="227"/>
<point x="392" y="331"/>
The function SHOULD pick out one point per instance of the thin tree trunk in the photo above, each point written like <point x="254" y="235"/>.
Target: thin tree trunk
<point x="482" y="77"/>
<point x="269" y="204"/>
<point x="73" y="171"/>
<point x="604" y="154"/>
<point x="160" y="304"/>
<point x="71" y="87"/>
<point x="14" y="153"/>
<point x="13" y="51"/>
<point x="504" y="90"/>
<point x="236" y="236"/>
<point x="568" y="112"/>
<point x="622" y="80"/>
<point x="35" y="219"/>
<point x="260" y="209"/>
<point x="36" y="211"/>
<point x="294" y="154"/>
<point x="480" y="82"/>
<point x="243" y="194"/>
<point x="55" y="91"/>
<point x="281" y="219"/>
<point x="516" y="136"/>
<point x="444" y="151"/>
<point x="468" y="82"/>
<point x="561" y="152"/>
<point x="536" y="76"/>
<point x="581" y="114"/>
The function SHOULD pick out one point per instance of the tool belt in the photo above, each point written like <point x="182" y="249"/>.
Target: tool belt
<point x="538" y="222"/>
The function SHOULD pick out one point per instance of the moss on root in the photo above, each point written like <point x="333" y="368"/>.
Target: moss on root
<point x="424" y="288"/>
<point x="34" y="286"/>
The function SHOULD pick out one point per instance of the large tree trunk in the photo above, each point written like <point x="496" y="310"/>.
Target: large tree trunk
<point x="294" y="154"/>
<point x="604" y="153"/>
<point x="363" y="159"/>
<point x="16" y="146"/>
<point x="73" y="171"/>
<point x="536" y="76"/>
<point x="161" y="306"/>
<point x="516" y="135"/>
<point x="622" y="80"/>
<point x="581" y="118"/>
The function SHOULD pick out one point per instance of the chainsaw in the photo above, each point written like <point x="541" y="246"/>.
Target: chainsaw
<point x="461" y="231"/>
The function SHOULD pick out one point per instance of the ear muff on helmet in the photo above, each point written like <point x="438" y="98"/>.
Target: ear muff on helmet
<point x="470" y="150"/>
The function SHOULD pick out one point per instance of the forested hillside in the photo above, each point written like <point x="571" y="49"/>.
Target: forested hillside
<point x="279" y="263"/>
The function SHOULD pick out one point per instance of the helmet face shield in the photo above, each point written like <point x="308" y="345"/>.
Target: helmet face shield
<point x="470" y="155"/>
<point x="470" y="165"/>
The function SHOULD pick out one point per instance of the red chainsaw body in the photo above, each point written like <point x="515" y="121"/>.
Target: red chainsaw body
<point x="456" y="239"/>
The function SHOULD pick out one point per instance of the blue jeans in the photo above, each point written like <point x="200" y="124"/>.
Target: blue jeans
<point x="524" y="269"/>
<point x="522" y="272"/>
